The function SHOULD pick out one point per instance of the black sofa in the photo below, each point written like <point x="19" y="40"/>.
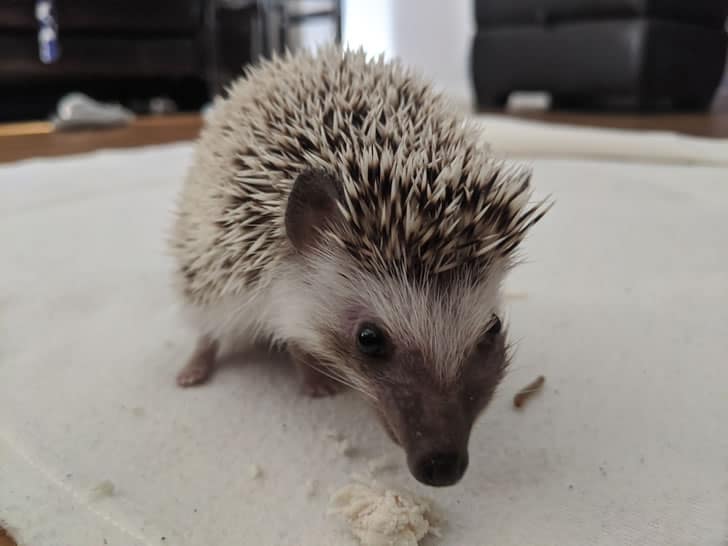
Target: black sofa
<point x="636" y="54"/>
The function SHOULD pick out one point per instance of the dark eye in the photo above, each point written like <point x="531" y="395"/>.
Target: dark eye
<point x="371" y="340"/>
<point x="495" y="326"/>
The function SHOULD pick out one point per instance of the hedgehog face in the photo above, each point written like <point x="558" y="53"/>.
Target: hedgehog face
<point x="431" y="420"/>
<point x="428" y="357"/>
<point x="427" y="351"/>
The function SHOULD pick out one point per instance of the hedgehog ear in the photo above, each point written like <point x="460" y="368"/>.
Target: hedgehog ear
<point x="312" y="204"/>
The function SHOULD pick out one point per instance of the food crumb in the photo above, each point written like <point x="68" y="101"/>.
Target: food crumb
<point x="381" y="464"/>
<point x="528" y="391"/>
<point x="571" y="486"/>
<point x="516" y="296"/>
<point x="138" y="412"/>
<point x="383" y="517"/>
<point x="103" y="489"/>
<point x="345" y="448"/>
<point x="311" y="488"/>
<point x="333" y="434"/>
<point x="255" y="471"/>
<point x="602" y="471"/>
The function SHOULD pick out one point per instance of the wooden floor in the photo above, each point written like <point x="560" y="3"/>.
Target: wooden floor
<point x="37" y="139"/>
<point x="5" y="539"/>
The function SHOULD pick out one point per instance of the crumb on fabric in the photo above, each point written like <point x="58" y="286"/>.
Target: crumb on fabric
<point x="379" y="516"/>
<point x="515" y="296"/>
<point x="255" y="471"/>
<point x="312" y="487"/>
<point x="528" y="391"/>
<point x="332" y="434"/>
<point x="103" y="489"/>
<point x="345" y="448"/>
<point x="381" y="464"/>
<point x="138" y="412"/>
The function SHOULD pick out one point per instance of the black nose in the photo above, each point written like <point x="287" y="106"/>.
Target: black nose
<point x="440" y="469"/>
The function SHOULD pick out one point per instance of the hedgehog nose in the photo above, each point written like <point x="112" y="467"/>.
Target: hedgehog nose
<point x="441" y="468"/>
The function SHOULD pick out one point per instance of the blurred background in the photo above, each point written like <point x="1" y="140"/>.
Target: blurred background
<point x="165" y="55"/>
<point x="80" y="75"/>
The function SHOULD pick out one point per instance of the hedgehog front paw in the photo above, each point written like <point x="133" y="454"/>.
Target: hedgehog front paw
<point x="190" y="376"/>
<point x="200" y="365"/>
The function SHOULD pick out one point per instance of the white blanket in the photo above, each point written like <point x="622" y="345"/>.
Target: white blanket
<point x="622" y="305"/>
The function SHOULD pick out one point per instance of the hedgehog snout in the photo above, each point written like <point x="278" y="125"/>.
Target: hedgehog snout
<point x="433" y="429"/>
<point x="440" y="468"/>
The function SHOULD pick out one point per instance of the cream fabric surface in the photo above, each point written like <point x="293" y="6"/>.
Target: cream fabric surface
<point x="521" y="138"/>
<point x="622" y="305"/>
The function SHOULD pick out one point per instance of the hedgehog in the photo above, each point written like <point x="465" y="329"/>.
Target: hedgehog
<point x="338" y="207"/>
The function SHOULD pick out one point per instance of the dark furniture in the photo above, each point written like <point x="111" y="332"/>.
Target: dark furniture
<point x="124" y="50"/>
<point x="638" y="54"/>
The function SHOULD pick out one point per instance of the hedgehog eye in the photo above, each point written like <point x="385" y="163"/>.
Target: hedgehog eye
<point x="371" y="341"/>
<point x="495" y="326"/>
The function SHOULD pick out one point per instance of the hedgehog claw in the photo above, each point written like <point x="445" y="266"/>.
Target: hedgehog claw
<point x="200" y="365"/>
<point x="193" y="375"/>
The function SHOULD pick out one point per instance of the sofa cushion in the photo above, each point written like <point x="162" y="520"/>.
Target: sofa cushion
<point x="501" y="12"/>
<point x="637" y="59"/>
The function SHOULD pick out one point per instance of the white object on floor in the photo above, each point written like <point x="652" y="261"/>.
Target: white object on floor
<point x="77" y="110"/>
<point x="626" y="291"/>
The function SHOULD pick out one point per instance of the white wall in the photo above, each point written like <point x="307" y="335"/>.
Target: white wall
<point x="431" y="35"/>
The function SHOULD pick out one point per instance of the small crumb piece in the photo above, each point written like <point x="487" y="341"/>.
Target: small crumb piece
<point x="515" y="296"/>
<point x="603" y="471"/>
<point x="528" y="391"/>
<point x="311" y="488"/>
<point x="571" y="486"/>
<point x="138" y="412"/>
<point x="381" y="464"/>
<point x="103" y="489"/>
<point x="345" y="448"/>
<point x="255" y="471"/>
<point x="383" y="517"/>
<point x="332" y="434"/>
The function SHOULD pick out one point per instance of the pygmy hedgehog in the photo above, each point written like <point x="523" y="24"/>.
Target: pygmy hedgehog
<point x="337" y="207"/>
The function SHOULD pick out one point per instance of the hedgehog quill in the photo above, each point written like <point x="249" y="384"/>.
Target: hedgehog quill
<point x="337" y="207"/>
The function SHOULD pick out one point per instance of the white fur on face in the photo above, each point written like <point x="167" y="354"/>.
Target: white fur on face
<point x="442" y="325"/>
